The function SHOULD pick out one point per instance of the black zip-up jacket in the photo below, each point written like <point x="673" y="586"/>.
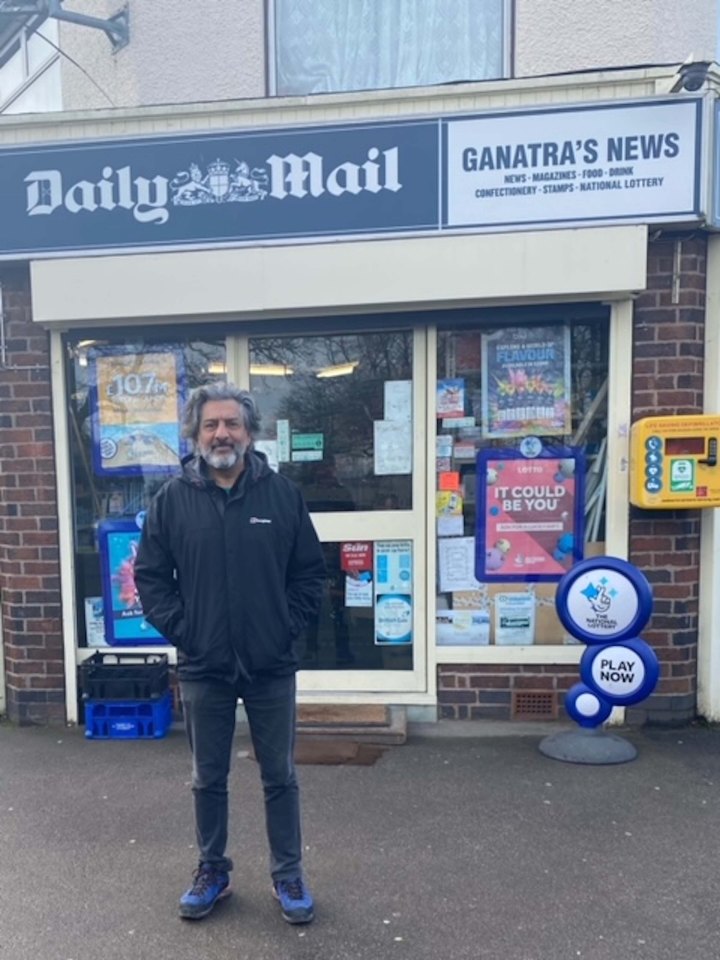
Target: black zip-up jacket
<point x="231" y="578"/>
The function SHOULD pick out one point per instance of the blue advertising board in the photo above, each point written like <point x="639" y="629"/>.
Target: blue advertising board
<point x="620" y="162"/>
<point x="125" y="623"/>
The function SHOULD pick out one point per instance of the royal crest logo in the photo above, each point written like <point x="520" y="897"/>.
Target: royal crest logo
<point x="220" y="184"/>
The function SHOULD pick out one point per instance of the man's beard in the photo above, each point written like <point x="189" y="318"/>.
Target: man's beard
<point x="224" y="459"/>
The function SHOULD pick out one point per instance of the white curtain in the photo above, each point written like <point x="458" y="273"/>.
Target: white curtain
<point x="334" y="45"/>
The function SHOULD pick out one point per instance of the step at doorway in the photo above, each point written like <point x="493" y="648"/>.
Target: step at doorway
<point x="362" y="723"/>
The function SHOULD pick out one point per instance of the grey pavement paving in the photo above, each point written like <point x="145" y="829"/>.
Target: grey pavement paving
<point x="472" y="847"/>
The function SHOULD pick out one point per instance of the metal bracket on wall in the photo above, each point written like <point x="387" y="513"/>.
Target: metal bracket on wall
<point x="116" y="27"/>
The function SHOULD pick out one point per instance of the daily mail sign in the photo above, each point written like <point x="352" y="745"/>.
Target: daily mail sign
<point x="635" y="161"/>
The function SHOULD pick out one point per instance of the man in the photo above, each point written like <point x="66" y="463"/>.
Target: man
<point x="229" y="569"/>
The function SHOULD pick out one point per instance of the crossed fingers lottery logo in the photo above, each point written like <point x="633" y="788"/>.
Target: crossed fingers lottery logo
<point x="599" y="596"/>
<point x="603" y="599"/>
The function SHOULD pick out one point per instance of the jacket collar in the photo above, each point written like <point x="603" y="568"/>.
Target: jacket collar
<point x="195" y="469"/>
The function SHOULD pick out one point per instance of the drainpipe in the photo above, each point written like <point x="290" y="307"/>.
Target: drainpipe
<point x="3" y="342"/>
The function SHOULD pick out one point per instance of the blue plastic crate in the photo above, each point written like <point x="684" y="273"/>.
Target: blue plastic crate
<point x="128" y="719"/>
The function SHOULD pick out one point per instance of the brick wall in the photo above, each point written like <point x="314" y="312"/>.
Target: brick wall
<point x="665" y="545"/>
<point x="668" y="379"/>
<point x="29" y="555"/>
<point x="485" y="691"/>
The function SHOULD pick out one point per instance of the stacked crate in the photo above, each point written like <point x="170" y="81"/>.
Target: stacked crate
<point x="126" y="696"/>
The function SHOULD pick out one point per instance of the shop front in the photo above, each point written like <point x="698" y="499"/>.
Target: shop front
<point x="379" y="419"/>
<point x="441" y="350"/>
<point x="388" y="467"/>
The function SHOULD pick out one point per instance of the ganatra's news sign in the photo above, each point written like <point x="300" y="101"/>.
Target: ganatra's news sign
<point x="636" y="161"/>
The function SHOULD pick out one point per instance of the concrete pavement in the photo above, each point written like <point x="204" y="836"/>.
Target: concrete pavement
<point x="473" y="847"/>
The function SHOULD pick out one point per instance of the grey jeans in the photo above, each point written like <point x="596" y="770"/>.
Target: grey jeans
<point x="209" y="707"/>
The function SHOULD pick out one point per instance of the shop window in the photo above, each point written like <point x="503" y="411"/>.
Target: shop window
<point x="124" y="427"/>
<point x="521" y="466"/>
<point x="340" y="45"/>
<point x="337" y="416"/>
<point x="366" y="616"/>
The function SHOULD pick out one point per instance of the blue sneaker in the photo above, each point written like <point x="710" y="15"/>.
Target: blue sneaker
<point x="296" y="901"/>
<point x="209" y="885"/>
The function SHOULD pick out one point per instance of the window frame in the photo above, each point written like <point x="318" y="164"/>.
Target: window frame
<point x="18" y="43"/>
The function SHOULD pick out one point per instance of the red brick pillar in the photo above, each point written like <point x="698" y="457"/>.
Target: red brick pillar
<point x="665" y="544"/>
<point x="29" y="554"/>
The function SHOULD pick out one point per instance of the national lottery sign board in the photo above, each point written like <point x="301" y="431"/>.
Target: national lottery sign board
<point x="637" y="161"/>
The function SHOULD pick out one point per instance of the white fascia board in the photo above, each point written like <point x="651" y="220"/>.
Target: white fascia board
<point x="258" y="282"/>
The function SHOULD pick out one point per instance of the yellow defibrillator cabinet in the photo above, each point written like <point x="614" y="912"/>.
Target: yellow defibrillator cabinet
<point x="674" y="462"/>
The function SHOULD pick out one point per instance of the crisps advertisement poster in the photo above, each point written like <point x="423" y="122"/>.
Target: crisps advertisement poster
<point x="526" y="382"/>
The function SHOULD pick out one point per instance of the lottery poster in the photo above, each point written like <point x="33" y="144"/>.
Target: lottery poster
<point x="530" y="515"/>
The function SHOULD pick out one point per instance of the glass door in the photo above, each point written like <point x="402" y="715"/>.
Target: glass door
<point x="343" y="417"/>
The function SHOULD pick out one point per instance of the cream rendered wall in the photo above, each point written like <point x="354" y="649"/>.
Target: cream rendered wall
<point x="185" y="51"/>
<point x="562" y="35"/>
<point x="180" y="51"/>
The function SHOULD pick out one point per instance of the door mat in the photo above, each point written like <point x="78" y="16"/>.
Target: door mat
<point x="335" y="752"/>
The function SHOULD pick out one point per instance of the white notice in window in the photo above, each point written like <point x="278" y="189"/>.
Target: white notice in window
<point x="456" y="560"/>
<point x="393" y="447"/>
<point x="398" y="399"/>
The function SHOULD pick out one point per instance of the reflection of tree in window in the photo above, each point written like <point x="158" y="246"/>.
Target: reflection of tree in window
<point x="343" y="407"/>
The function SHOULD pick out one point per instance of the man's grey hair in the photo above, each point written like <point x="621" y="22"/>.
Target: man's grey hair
<point x="192" y="414"/>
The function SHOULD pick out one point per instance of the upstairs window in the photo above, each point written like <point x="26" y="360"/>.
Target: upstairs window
<point x="323" y="46"/>
<point x="30" y="70"/>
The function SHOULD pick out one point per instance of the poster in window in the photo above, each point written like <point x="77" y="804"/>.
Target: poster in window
<point x="530" y="514"/>
<point x="393" y="592"/>
<point x="457" y="628"/>
<point x="526" y="386"/>
<point x="136" y="399"/>
<point x="392" y="445"/>
<point x="456" y="557"/>
<point x="356" y="562"/>
<point x="94" y="622"/>
<point x="393" y="619"/>
<point x="125" y="623"/>
<point x="450" y="398"/>
<point x="514" y="619"/>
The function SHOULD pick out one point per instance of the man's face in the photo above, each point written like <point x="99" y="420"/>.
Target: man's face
<point x="223" y="437"/>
